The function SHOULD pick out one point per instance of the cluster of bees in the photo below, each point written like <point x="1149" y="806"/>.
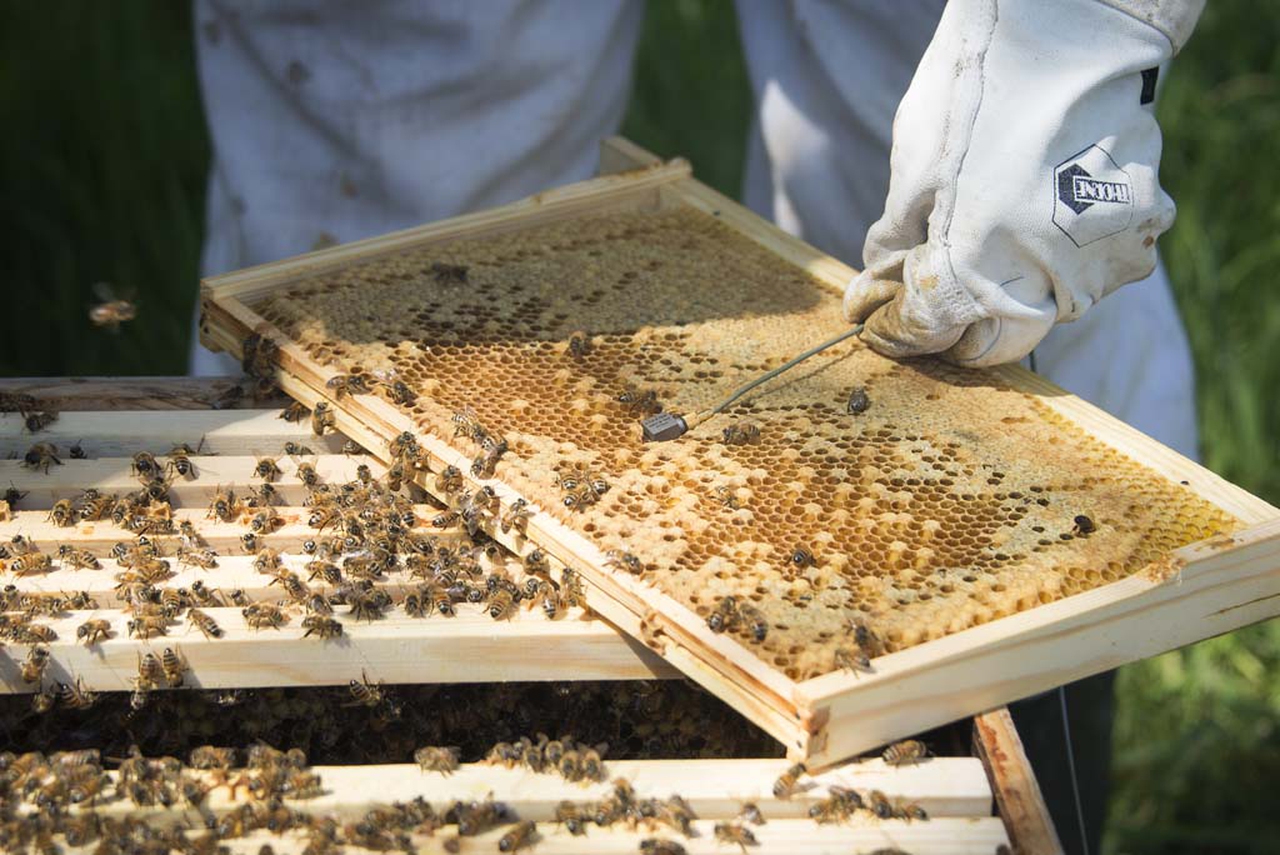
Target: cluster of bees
<point x="572" y="760"/>
<point x="842" y="803"/>
<point x="580" y="488"/>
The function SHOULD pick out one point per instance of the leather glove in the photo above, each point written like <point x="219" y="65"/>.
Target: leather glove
<point x="1024" y="185"/>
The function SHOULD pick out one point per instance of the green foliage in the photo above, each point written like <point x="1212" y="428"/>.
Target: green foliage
<point x="102" y="174"/>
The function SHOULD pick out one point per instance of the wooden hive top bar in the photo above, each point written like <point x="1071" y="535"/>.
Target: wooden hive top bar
<point x="951" y="500"/>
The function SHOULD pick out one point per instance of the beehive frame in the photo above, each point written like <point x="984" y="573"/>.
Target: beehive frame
<point x="1206" y="588"/>
<point x="112" y="418"/>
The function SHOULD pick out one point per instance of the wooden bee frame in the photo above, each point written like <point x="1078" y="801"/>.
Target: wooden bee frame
<point x="1207" y="588"/>
<point x="118" y="417"/>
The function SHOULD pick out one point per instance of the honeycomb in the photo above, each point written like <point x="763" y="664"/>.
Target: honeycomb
<point x="941" y="498"/>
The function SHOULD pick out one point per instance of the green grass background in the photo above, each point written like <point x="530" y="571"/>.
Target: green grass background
<point x="102" y="166"/>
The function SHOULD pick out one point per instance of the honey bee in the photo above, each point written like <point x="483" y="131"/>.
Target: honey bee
<point x="211" y="757"/>
<point x="750" y="812"/>
<point x="502" y="603"/>
<point x="17" y="402"/>
<point x="902" y="753"/>
<point x="725" y="495"/>
<point x="363" y="693"/>
<point x="858" y="402"/>
<point x="296" y="449"/>
<point x="204" y="623"/>
<point x="572" y="817"/>
<point x="449" y="480"/>
<point x="326" y="571"/>
<point x="223" y="506"/>
<point x="94" y="506"/>
<point x="416" y="605"/>
<point x="431" y="758"/>
<point x="62" y="513"/>
<point x="879" y="804"/>
<point x="44" y="699"/>
<point x="636" y="401"/>
<point x="267" y="560"/>
<point x="266" y="469"/>
<point x="249" y="541"/>
<point x="726" y="615"/>
<point x="838" y="806"/>
<point x="581" y="498"/>
<point x="741" y="433"/>
<point x="321" y="627"/>
<point x="864" y="637"/>
<point x="264" y="615"/>
<point x="203" y="596"/>
<point x="77" y="559"/>
<point x="318" y="604"/>
<point x="1084" y="526"/>
<point x="93" y="631"/>
<point x="364" y="603"/>
<point x="397" y="390"/>
<point x="180" y="459"/>
<point x="323" y="418"/>
<point x="571" y="588"/>
<point x="405" y="445"/>
<point x="295" y="412"/>
<point x="36" y="421"/>
<point x="111" y="312"/>
<point x="347" y="384"/>
<point x="145" y="467"/>
<point x="755" y="620"/>
<point x="801" y="556"/>
<point x="910" y="811"/>
<point x="308" y="475"/>
<point x="175" y="667"/>
<point x="624" y="561"/>
<point x="13" y="495"/>
<point x="351" y="448"/>
<point x="32" y="633"/>
<point x="30" y="564"/>
<point x="41" y="456"/>
<point x="265" y="521"/>
<point x="204" y="558"/>
<point x="735" y="833"/>
<point x="659" y="846"/>
<point x="785" y="786"/>
<point x="148" y="626"/>
<point x="519" y="837"/>
<point x="853" y="659"/>
<point x="441" y="600"/>
<point x="35" y="663"/>
<point x="76" y="697"/>
<point x="150" y="672"/>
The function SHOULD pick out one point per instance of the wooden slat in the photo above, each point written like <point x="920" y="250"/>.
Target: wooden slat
<point x="113" y="475"/>
<point x="715" y="789"/>
<point x="65" y="394"/>
<point x="468" y="648"/>
<point x="946" y="836"/>
<point x="124" y="432"/>
<point x="1026" y="817"/>
<point x="99" y="537"/>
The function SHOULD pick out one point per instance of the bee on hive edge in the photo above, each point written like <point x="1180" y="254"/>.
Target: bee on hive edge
<point x="732" y="832"/>
<point x="207" y="625"/>
<point x="77" y="452"/>
<point x="785" y="786"/>
<point x="323" y="418"/>
<point x="266" y="469"/>
<point x="432" y="758"/>
<point x="322" y="627"/>
<point x="659" y="846"/>
<point x="624" y="561"/>
<point x="62" y="514"/>
<point x="94" y="630"/>
<point x="347" y="384"/>
<point x="37" y="421"/>
<point x="519" y="837"/>
<point x="295" y="412"/>
<point x="35" y="663"/>
<point x="363" y="693"/>
<point x="180" y="459"/>
<point x="902" y="753"/>
<point x="41" y="456"/>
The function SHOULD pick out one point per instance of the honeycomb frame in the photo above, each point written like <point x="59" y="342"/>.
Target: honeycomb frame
<point x="828" y="716"/>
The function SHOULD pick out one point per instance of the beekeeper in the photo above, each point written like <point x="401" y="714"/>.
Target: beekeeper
<point x="1017" y="189"/>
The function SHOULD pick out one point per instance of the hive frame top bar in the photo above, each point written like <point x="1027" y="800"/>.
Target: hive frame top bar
<point x="1205" y="589"/>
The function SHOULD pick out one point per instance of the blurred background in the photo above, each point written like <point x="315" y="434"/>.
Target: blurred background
<point x="103" y="169"/>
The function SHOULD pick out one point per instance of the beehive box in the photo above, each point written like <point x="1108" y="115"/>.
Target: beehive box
<point x="995" y="535"/>
<point x="268" y="684"/>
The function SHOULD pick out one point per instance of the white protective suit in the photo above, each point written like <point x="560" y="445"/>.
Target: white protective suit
<point x="334" y="121"/>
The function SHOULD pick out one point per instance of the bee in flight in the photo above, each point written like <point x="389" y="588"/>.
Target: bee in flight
<point x="111" y="312"/>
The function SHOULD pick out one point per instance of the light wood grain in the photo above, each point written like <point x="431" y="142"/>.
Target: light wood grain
<point x="122" y="433"/>
<point x="213" y="474"/>
<point x="468" y="648"/>
<point x="1017" y="792"/>
<point x="66" y="394"/>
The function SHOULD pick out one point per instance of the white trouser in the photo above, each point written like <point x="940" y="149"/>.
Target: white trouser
<point x="336" y="121"/>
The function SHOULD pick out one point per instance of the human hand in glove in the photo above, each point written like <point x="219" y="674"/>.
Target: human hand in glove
<point x="1024" y="184"/>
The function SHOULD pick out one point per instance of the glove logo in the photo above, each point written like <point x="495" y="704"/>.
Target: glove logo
<point x="1093" y="197"/>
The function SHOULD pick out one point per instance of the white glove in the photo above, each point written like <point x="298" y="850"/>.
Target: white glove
<point x="1024" y="183"/>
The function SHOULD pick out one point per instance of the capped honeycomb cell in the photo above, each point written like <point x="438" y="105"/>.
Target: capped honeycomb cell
<point x="948" y="500"/>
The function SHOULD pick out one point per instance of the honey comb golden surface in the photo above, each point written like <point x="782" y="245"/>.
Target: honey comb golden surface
<point x="951" y="500"/>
